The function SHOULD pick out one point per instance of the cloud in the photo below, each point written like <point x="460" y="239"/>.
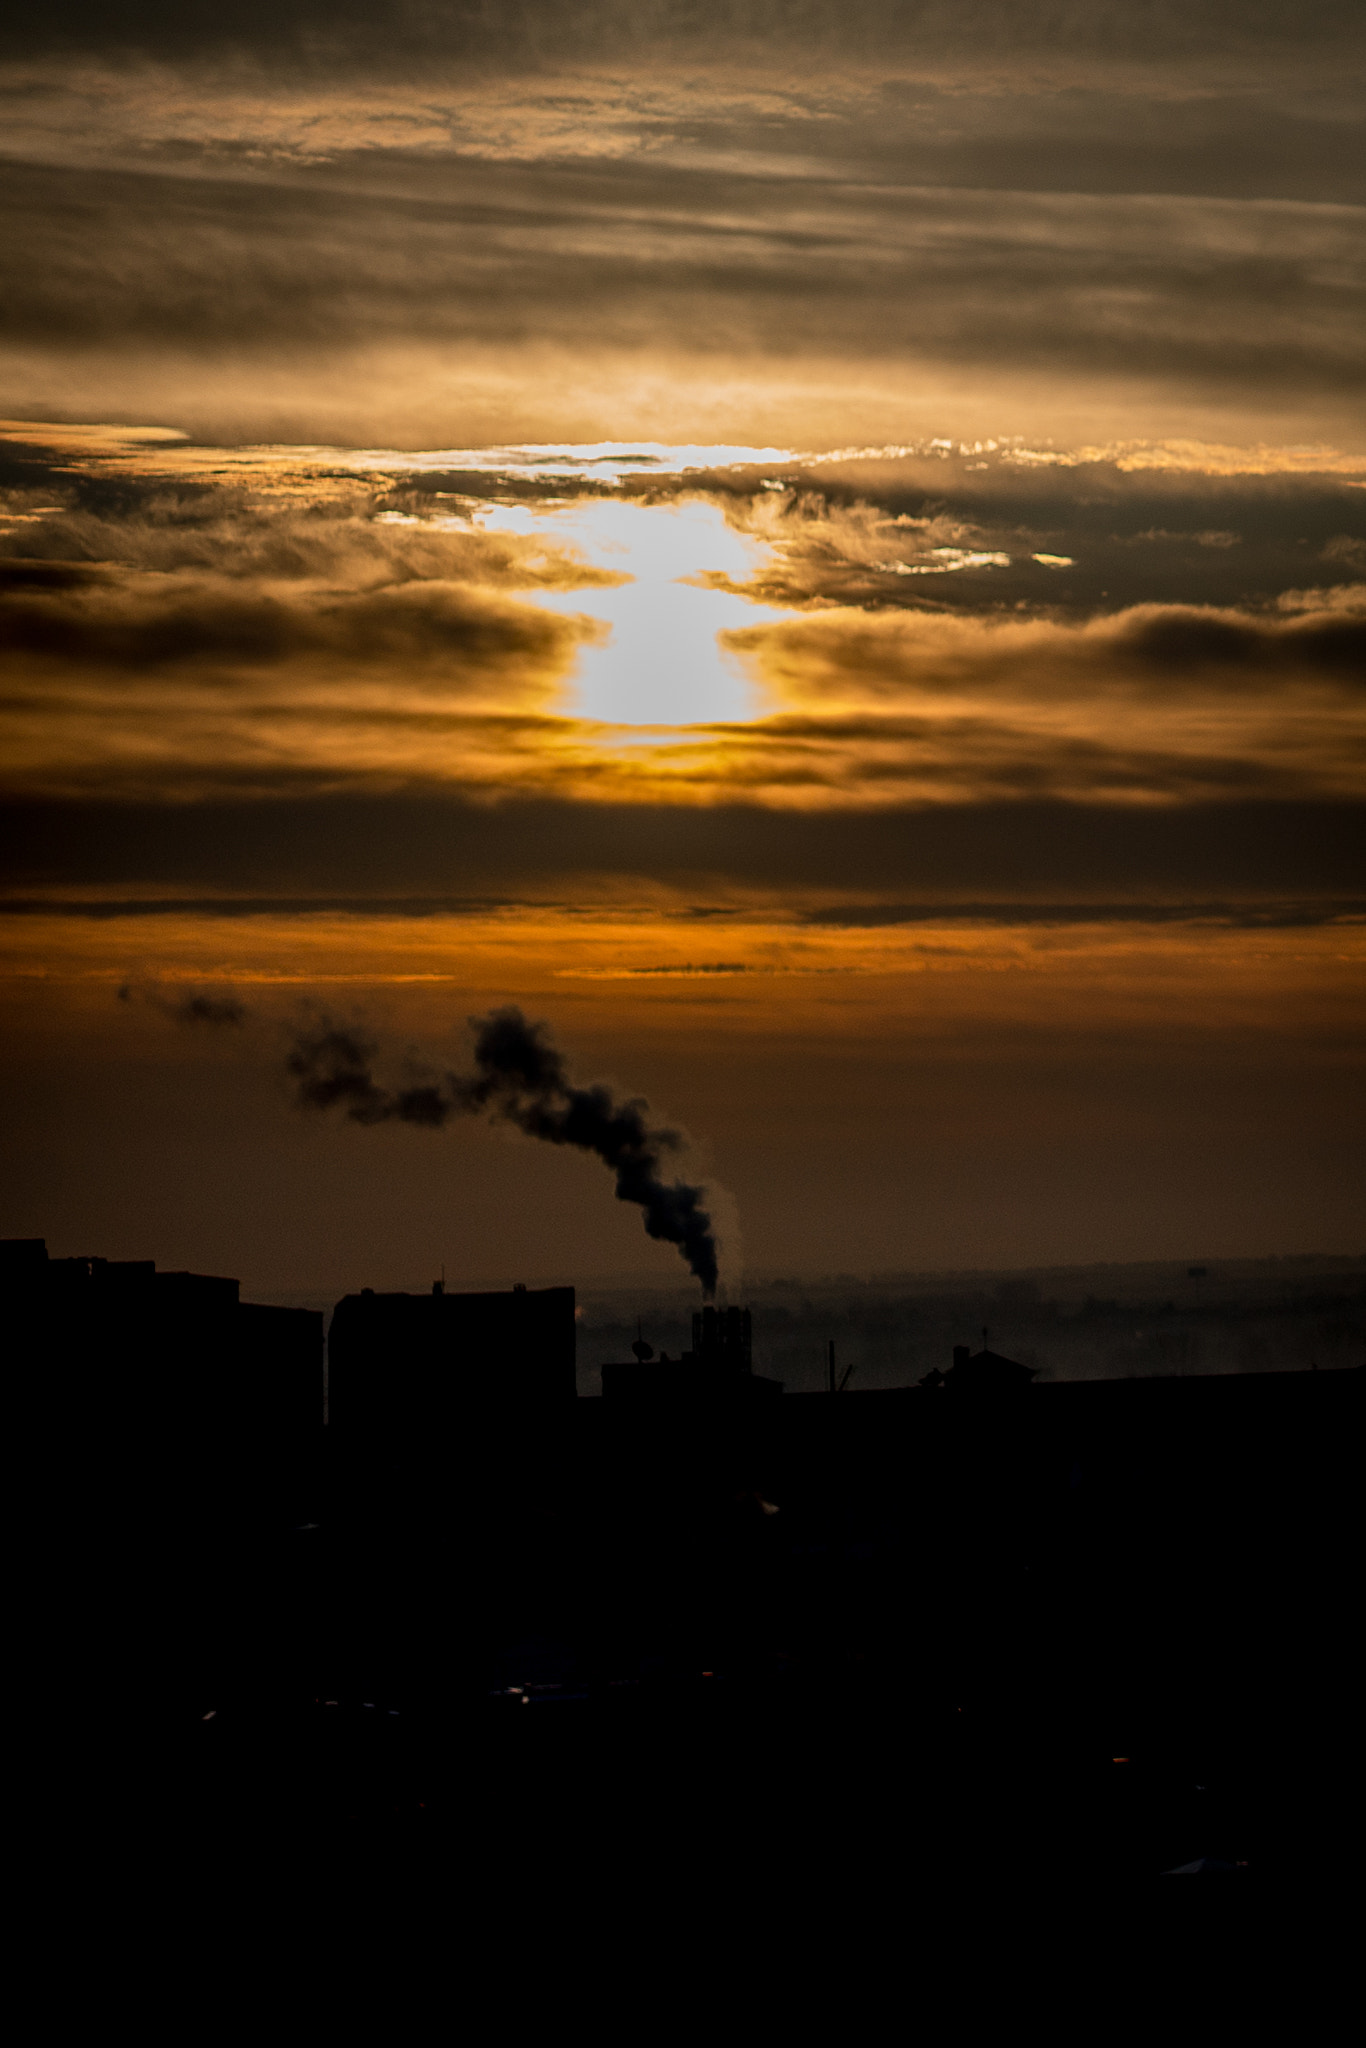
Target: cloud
<point x="1062" y="540"/>
<point x="303" y="628"/>
<point x="666" y="971"/>
<point x="188" y="631"/>
<point x="17" y="574"/>
<point x="291" y="522"/>
<point x="148" y="624"/>
<point x="193" y="682"/>
<point x="825" y="552"/>
<point x="913" y="659"/>
<point x="1126" y="221"/>
<point x="852" y="912"/>
<point x="1341" y="597"/>
<point x="491" y="255"/>
<point x="1283" y="915"/>
<point x="528" y="35"/>
<point x="424" y="848"/>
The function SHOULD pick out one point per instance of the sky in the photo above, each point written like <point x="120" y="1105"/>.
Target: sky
<point x="817" y="550"/>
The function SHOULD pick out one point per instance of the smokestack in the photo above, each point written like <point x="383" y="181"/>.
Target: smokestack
<point x="723" y="1335"/>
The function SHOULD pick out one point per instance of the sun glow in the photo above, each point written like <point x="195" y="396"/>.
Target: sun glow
<point x="662" y="663"/>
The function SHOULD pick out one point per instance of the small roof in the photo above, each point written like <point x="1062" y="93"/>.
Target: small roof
<point x="989" y="1369"/>
<point x="996" y="1358"/>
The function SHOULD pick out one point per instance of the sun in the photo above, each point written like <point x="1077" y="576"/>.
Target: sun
<point x="662" y="662"/>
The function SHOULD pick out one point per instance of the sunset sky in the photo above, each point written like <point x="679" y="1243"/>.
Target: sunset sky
<point x="819" y="549"/>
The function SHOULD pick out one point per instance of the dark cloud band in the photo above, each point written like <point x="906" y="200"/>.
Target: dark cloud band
<point x="368" y="849"/>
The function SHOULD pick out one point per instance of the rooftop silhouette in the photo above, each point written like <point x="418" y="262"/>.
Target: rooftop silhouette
<point x="719" y="1367"/>
<point x="115" y="1347"/>
<point x="980" y="1372"/>
<point x="411" y="1363"/>
<point x="339" y="1616"/>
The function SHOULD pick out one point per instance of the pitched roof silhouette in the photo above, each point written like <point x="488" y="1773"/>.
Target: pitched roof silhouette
<point x="980" y="1372"/>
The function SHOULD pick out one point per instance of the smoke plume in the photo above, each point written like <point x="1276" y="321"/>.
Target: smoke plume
<point x="333" y="1068"/>
<point x="195" y="1008"/>
<point x="519" y="1078"/>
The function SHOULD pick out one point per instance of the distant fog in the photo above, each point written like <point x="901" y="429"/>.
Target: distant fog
<point x="1070" y="1322"/>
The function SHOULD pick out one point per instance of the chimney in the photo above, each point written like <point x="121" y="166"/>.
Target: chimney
<point x="722" y="1336"/>
<point x="961" y="1354"/>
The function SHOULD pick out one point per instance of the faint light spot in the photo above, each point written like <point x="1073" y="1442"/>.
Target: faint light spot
<point x="1055" y="561"/>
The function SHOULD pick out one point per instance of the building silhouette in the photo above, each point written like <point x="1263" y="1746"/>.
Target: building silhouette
<point x="995" y="1592"/>
<point x="718" y="1368"/>
<point x="413" y="1365"/>
<point x="115" y="1353"/>
<point x="980" y="1372"/>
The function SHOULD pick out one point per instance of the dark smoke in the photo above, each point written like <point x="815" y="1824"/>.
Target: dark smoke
<point x="332" y="1066"/>
<point x="520" y="1075"/>
<point x="190" y="1009"/>
<point x="210" y="1010"/>
<point x="519" y="1078"/>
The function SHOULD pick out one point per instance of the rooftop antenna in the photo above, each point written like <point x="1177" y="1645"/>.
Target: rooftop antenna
<point x="984" y="1336"/>
<point x="836" y="1382"/>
